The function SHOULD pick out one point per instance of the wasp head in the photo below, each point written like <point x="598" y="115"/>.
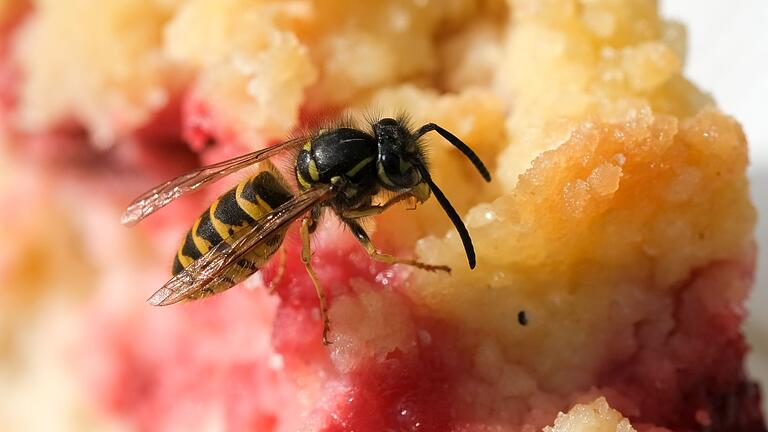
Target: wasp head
<point x="399" y="155"/>
<point x="402" y="167"/>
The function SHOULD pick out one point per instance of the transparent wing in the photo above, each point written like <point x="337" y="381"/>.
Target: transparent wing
<point x="234" y="274"/>
<point x="162" y="195"/>
<point x="214" y="266"/>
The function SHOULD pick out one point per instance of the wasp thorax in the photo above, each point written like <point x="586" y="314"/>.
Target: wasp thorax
<point x="397" y="152"/>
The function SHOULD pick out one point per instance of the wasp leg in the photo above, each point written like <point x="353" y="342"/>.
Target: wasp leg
<point x="375" y="209"/>
<point x="364" y="240"/>
<point x="307" y="225"/>
<point x="280" y="271"/>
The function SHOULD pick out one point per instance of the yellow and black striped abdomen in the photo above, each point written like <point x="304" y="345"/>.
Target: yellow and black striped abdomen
<point x="238" y="208"/>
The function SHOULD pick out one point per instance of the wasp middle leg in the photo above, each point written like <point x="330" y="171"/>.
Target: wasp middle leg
<point x="375" y="254"/>
<point x="308" y="225"/>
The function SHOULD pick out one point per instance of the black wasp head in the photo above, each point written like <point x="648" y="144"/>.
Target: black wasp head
<point x="401" y="165"/>
<point x="398" y="151"/>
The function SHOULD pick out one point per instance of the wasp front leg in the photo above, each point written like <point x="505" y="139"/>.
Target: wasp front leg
<point x="307" y="226"/>
<point x="376" y="209"/>
<point x="375" y="254"/>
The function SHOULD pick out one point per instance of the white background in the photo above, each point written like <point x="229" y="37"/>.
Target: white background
<point x="728" y="57"/>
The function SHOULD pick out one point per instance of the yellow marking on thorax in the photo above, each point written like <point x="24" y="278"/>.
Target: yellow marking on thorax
<point x="356" y="169"/>
<point x="308" y="145"/>
<point x="183" y="259"/>
<point x="314" y="174"/>
<point x="219" y="226"/>
<point x="201" y="244"/>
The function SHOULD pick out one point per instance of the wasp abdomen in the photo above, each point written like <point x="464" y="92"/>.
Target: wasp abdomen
<point x="241" y="206"/>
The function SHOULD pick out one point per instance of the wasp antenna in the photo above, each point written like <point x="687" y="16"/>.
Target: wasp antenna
<point x="459" y="144"/>
<point x="451" y="212"/>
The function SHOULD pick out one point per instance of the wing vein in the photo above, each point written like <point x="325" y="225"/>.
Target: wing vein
<point x="157" y="198"/>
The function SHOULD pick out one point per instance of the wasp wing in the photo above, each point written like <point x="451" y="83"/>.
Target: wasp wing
<point x="159" y="197"/>
<point x="224" y="258"/>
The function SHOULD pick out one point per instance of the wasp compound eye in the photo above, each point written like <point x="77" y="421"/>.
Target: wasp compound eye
<point x="398" y="172"/>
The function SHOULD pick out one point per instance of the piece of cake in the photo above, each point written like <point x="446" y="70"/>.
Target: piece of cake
<point x="614" y="245"/>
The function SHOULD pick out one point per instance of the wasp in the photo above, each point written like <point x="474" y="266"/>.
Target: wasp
<point x="341" y="169"/>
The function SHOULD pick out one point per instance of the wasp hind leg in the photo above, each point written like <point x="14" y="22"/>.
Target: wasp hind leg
<point x="307" y="226"/>
<point x="376" y="255"/>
